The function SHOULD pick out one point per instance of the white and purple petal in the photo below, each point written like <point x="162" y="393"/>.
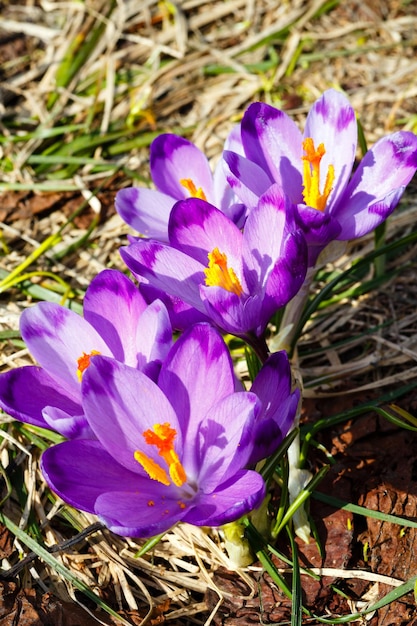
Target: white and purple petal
<point x="197" y="373"/>
<point x="167" y="269"/>
<point x="196" y="228"/>
<point x="153" y="339"/>
<point x="332" y="122"/>
<point x="145" y="210"/>
<point x="57" y="338"/>
<point x="120" y="404"/>
<point x="172" y="159"/>
<point x="377" y="184"/>
<point x="114" y="306"/>
<point x="272" y="140"/>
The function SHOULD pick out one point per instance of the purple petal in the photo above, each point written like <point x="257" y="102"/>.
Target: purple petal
<point x="272" y="140"/>
<point x="58" y="337"/>
<point x="70" y="425"/>
<point x="144" y="512"/>
<point x="174" y="158"/>
<point x="240" y="495"/>
<point x="196" y="375"/>
<point x="273" y="382"/>
<point x="223" y="450"/>
<point x="196" y="228"/>
<point x="167" y="269"/>
<point x="145" y="210"/>
<point x="247" y="179"/>
<point x="154" y="338"/>
<point x="80" y="471"/>
<point x="332" y="122"/>
<point x="233" y="314"/>
<point x="121" y="403"/>
<point x="377" y="184"/>
<point x="113" y="306"/>
<point x="181" y="314"/>
<point x="279" y="406"/>
<point x="263" y="237"/>
<point x="289" y="272"/>
<point x="26" y="391"/>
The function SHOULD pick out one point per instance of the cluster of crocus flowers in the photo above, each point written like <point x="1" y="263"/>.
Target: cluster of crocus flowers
<point x="161" y="431"/>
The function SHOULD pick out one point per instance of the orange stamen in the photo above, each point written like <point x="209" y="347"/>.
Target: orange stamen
<point x="194" y="192"/>
<point x="219" y="275"/>
<point x="311" y="176"/>
<point x="162" y="436"/>
<point x="83" y="362"/>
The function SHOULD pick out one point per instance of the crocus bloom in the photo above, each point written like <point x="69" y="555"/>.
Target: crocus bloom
<point x="238" y="279"/>
<point x="164" y="452"/>
<point x="117" y="323"/>
<point x="314" y="169"/>
<point x="179" y="170"/>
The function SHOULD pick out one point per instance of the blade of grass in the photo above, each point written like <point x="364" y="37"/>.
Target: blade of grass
<point x="297" y="598"/>
<point x="361" y="510"/>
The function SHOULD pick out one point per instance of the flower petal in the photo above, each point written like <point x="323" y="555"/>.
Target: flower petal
<point x="26" y="391"/>
<point x="247" y="179"/>
<point x="181" y="314"/>
<point x="113" y="306"/>
<point x="331" y="121"/>
<point x="70" y="425"/>
<point x="196" y="228"/>
<point x="223" y="450"/>
<point x="144" y="512"/>
<point x="272" y="140"/>
<point x="121" y="403"/>
<point x="263" y="237"/>
<point x="196" y="375"/>
<point x="58" y="337"/>
<point x="377" y="184"/>
<point x="145" y="210"/>
<point x="172" y="159"/>
<point x="239" y="495"/>
<point x="154" y="338"/>
<point x="167" y="269"/>
<point x="80" y="471"/>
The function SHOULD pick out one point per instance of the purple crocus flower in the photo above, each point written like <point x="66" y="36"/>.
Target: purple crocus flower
<point x="238" y="279"/>
<point x="314" y="169"/>
<point x="117" y="323"/>
<point x="179" y="170"/>
<point x="164" y="452"/>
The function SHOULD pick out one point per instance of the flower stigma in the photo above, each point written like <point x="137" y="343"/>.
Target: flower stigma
<point x="192" y="189"/>
<point x="83" y="362"/>
<point x="162" y="436"/>
<point x="218" y="274"/>
<point x="311" y="176"/>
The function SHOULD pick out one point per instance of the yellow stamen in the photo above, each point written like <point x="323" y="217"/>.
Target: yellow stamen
<point x="192" y="189"/>
<point x="219" y="275"/>
<point x="311" y="176"/>
<point x="162" y="436"/>
<point x="83" y="362"/>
